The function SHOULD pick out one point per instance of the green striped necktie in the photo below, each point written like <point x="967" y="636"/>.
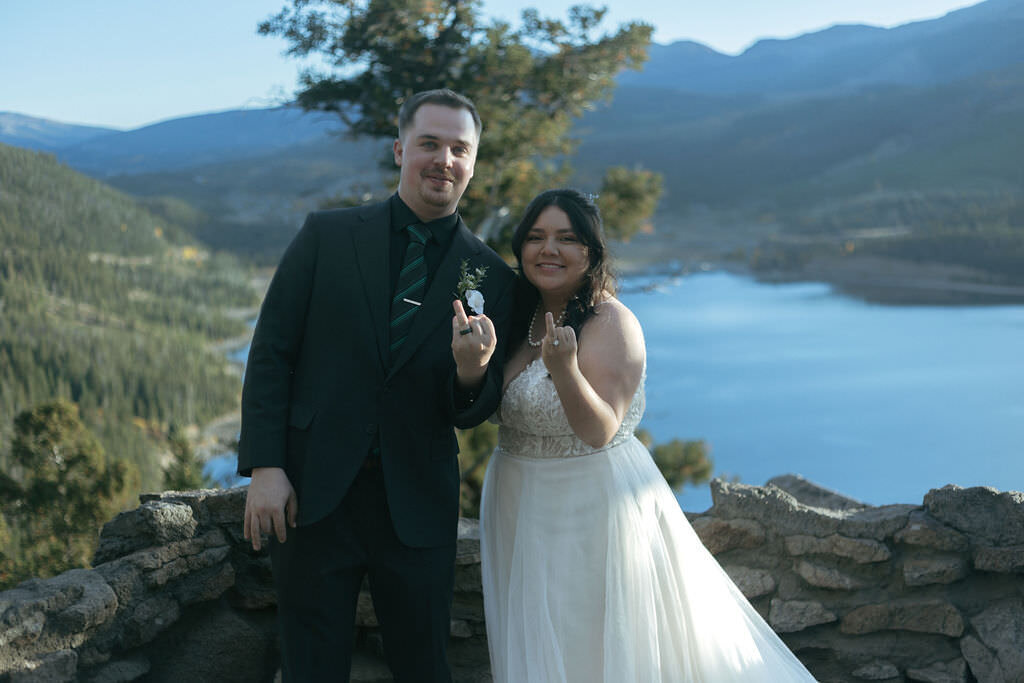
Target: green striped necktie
<point x="412" y="283"/>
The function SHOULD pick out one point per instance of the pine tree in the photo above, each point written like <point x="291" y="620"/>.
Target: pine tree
<point x="57" y="493"/>
<point x="185" y="472"/>
<point x="529" y="84"/>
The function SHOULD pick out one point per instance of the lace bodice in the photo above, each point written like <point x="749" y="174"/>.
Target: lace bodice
<point x="532" y="423"/>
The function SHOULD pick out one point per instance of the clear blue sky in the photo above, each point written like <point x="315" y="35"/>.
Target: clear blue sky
<point x="126" y="63"/>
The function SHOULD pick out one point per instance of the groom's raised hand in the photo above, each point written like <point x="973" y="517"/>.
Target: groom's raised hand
<point x="473" y="344"/>
<point x="269" y="501"/>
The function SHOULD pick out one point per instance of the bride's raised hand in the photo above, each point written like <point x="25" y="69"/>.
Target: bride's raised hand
<point x="558" y="348"/>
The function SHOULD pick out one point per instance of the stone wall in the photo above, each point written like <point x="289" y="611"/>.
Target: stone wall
<point x="931" y="592"/>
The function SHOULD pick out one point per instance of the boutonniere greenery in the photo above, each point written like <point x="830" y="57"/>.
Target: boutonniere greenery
<point x="469" y="285"/>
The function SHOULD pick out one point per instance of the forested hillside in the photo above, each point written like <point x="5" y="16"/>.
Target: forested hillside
<point x="253" y="207"/>
<point x="730" y="151"/>
<point x="933" y="173"/>
<point x="107" y="304"/>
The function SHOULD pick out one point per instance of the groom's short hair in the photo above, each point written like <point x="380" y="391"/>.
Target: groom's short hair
<point x="441" y="96"/>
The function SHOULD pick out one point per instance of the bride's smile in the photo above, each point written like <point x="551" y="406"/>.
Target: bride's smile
<point x="555" y="260"/>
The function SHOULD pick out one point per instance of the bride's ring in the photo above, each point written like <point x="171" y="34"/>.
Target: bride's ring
<point x="466" y="331"/>
<point x="554" y="343"/>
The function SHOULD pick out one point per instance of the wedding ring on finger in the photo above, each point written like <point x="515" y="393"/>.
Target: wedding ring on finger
<point x="554" y="343"/>
<point x="464" y="332"/>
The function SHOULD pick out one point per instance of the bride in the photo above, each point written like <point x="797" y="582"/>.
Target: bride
<point x="591" y="571"/>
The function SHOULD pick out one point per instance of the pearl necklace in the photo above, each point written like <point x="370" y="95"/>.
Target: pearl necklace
<point x="533" y="319"/>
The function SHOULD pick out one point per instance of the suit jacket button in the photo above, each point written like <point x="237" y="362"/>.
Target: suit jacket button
<point x="371" y="427"/>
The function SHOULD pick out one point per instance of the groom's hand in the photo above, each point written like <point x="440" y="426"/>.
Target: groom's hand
<point x="473" y="344"/>
<point x="269" y="501"/>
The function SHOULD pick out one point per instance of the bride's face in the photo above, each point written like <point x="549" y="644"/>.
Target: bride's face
<point x="555" y="260"/>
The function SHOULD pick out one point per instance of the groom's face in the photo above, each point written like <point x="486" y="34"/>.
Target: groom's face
<point x="436" y="155"/>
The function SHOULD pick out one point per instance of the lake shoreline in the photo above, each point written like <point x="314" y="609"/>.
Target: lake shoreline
<point x="871" y="279"/>
<point x="880" y="402"/>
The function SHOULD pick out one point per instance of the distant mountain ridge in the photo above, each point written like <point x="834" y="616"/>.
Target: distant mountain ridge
<point x="19" y="130"/>
<point x="834" y="61"/>
<point x="965" y="42"/>
<point x="196" y="140"/>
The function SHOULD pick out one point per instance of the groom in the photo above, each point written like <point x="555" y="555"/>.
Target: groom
<point x="356" y="376"/>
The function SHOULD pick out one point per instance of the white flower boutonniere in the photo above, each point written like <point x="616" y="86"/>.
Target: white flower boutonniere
<point x="469" y="286"/>
<point x="475" y="300"/>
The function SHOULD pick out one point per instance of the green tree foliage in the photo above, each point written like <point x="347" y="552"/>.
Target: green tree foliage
<point x="529" y="83"/>
<point x="683" y="462"/>
<point x="475" y="448"/>
<point x="628" y="199"/>
<point x="680" y="462"/>
<point x="59" y="490"/>
<point x="185" y="471"/>
<point x="9" y="575"/>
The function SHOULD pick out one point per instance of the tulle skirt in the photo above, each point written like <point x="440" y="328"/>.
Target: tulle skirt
<point x="591" y="572"/>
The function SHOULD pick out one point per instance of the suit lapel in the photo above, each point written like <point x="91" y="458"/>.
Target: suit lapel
<point x="437" y="304"/>
<point x="370" y="244"/>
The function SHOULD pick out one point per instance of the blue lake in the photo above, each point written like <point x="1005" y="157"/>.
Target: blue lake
<point x="881" y="403"/>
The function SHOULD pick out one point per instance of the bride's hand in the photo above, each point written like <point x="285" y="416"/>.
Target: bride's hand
<point x="558" y="348"/>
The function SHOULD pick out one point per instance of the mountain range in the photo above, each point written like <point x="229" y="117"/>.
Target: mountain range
<point x="174" y="144"/>
<point x="846" y="58"/>
<point x="952" y="136"/>
<point x="19" y="130"/>
<point x="789" y="127"/>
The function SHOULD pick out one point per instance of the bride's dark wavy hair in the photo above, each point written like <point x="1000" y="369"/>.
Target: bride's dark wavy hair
<point x="585" y="220"/>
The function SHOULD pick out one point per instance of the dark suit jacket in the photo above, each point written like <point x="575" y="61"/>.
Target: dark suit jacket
<point x="319" y="387"/>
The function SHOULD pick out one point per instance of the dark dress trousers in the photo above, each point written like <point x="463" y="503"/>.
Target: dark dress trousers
<point x="321" y="392"/>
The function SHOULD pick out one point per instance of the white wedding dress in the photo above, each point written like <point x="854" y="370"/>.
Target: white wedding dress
<point x="591" y="571"/>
